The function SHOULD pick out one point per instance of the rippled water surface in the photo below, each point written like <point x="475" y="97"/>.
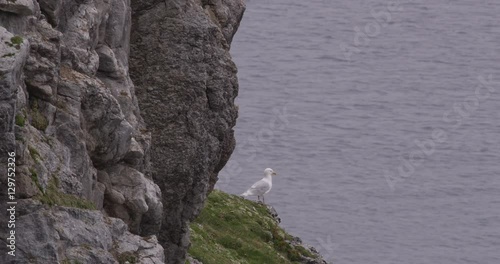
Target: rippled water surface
<point x="341" y="114"/>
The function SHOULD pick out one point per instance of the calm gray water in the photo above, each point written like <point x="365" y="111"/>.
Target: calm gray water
<point x="337" y="113"/>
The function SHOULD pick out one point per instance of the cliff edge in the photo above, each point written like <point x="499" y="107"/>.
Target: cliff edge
<point x="231" y="229"/>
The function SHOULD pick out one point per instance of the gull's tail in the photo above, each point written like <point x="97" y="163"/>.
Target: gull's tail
<point x="245" y="194"/>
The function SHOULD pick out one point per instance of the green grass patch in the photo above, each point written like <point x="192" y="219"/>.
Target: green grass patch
<point x="20" y="120"/>
<point x="129" y="257"/>
<point x="34" y="154"/>
<point x="61" y="105"/>
<point x="16" y="40"/>
<point x="34" y="178"/>
<point x="231" y="229"/>
<point x="20" y="138"/>
<point x="53" y="196"/>
<point x="38" y="120"/>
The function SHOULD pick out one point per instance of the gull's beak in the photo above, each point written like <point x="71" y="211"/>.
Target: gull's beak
<point x="274" y="173"/>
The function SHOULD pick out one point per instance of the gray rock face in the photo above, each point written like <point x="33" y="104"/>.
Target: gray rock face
<point x="20" y="7"/>
<point x="191" y="260"/>
<point x="12" y="58"/>
<point x="186" y="85"/>
<point x="133" y="198"/>
<point x="13" y="53"/>
<point x="69" y="111"/>
<point x="71" y="235"/>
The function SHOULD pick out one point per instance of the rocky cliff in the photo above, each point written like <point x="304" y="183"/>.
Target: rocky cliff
<point x="186" y="85"/>
<point x="113" y="155"/>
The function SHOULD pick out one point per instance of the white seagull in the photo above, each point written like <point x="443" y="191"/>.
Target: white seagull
<point x="261" y="187"/>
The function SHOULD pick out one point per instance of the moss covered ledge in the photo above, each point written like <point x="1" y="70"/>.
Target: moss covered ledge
<point x="231" y="229"/>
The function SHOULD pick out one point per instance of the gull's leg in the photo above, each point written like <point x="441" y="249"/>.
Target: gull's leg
<point x="258" y="198"/>
<point x="263" y="200"/>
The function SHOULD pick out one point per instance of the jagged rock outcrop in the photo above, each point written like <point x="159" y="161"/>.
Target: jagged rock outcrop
<point x="186" y="85"/>
<point x="71" y="235"/>
<point x="69" y="111"/>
